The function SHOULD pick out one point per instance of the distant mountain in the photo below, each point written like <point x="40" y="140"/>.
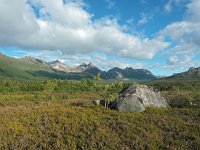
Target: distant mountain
<point x="128" y="73"/>
<point x="83" y="67"/>
<point x="32" y="68"/>
<point x="22" y="68"/>
<point x="92" y="71"/>
<point x="59" y="66"/>
<point x="192" y="73"/>
<point x="30" y="59"/>
<point x="161" y="76"/>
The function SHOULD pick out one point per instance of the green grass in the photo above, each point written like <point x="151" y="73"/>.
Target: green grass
<point x="59" y="126"/>
<point x="71" y="121"/>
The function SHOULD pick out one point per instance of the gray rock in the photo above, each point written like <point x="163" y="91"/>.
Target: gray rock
<point x="136" y="98"/>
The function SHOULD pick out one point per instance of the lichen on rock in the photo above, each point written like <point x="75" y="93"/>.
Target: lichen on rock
<point x="137" y="97"/>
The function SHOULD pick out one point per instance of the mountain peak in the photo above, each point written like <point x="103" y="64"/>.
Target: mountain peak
<point x="56" y="61"/>
<point x="90" y="64"/>
<point x="59" y="66"/>
<point x="84" y="70"/>
<point x="85" y="66"/>
<point x="128" y="73"/>
<point x="192" y="69"/>
<point x="29" y="57"/>
<point x="192" y="73"/>
<point x="33" y="60"/>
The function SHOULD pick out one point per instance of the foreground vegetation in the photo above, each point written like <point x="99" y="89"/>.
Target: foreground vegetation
<point x="88" y="127"/>
<point x="57" y="114"/>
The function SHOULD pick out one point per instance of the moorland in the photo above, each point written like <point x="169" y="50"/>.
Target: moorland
<point x="59" y="114"/>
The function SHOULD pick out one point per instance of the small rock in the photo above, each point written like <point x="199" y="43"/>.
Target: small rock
<point x="97" y="102"/>
<point x="100" y="102"/>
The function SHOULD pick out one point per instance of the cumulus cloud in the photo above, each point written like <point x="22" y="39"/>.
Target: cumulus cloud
<point x="185" y="36"/>
<point x="175" y="62"/>
<point x="68" y="27"/>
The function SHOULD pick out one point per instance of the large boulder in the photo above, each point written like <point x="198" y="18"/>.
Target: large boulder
<point x="137" y="97"/>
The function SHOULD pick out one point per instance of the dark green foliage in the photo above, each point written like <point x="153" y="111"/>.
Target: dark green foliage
<point x="179" y="93"/>
<point x="111" y="91"/>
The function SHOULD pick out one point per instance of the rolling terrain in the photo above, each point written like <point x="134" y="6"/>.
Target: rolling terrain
<point x="69" y="119"/>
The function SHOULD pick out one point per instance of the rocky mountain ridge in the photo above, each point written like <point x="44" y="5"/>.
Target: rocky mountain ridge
<point x="30" y="67"/>
<point x="191" y="73"/>
<point x="91" y="69"/>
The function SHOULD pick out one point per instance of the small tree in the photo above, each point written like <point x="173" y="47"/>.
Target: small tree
<point x="36" y="98"/>
<point x="111" y="91"/>
<point x="49" y="87"/>
<point x="97" y="77"/>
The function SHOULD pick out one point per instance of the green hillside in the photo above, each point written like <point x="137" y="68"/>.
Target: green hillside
<point x="25" y="69"/>
<point x="21" y="68"/>
<point x="29" y="68"/>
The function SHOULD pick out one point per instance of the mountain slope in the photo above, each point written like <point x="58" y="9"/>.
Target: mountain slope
<point x="128" y="73"/>
<point x="59" y="66"/>
<point x="23" y="68"/>
<point x="35" y="69"/>
<point x="192" y="73"/>
<point x="29" y="68"/>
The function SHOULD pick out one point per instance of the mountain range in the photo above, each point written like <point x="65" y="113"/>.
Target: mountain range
<point x="30" y="68"/>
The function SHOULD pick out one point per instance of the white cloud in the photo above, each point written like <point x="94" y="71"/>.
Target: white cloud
<point x="193" y="11"/>
<point x="168" y="6"/>
<point x="185" y="36"/>
<point x="69" y="28"/>
<point x="172" y="60"/>
<point x="145" y="18"/>
<point x="181" y="63"/>
<point x="171" y="4"/>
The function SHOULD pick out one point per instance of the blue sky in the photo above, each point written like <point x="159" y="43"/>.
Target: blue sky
<point x="162" y="36"/>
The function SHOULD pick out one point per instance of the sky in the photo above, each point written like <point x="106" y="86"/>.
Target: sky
<point x="160" y="35"/>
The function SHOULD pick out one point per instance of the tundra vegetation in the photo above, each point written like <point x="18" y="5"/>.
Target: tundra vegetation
<point x="59" y="114"/>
